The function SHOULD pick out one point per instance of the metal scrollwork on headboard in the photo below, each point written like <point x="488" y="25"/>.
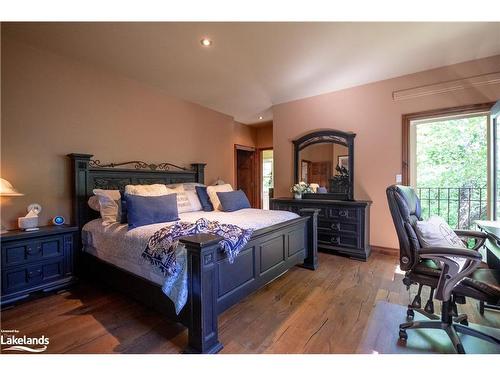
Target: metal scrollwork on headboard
<point x="89" y="174"/>
<point x="94" y="163"/>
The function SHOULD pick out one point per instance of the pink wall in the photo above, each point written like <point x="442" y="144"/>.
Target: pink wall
<point x="245" y="135"/>
<point x="52" y="106"/>
<point x="376" y="118"/>
<point x="265" y="136"/>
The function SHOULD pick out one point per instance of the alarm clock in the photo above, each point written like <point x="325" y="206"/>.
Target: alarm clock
<point x="58" y="220"/>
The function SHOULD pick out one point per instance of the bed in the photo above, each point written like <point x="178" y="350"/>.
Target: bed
<point x="280" y="241"/>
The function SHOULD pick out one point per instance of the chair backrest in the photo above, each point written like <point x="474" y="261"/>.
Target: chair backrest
<point x="405" y="211"/>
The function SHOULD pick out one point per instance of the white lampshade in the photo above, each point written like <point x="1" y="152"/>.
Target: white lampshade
<point x="219" y="182"/>
<point x="7" y="190"/>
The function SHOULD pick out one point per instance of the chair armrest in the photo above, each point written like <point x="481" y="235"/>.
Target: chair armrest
<point x="470" y="233"/>
<point x="479" y="236"/>
<point x="468" y="254"/>
<point x="452" y="272"/>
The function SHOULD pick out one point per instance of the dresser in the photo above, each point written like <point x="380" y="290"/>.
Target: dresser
<point x="343" y="226"/>
<point x="36" y="262"/>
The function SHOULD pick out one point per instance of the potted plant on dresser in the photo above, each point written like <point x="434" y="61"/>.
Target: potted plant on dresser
<point x="299" y="189"/>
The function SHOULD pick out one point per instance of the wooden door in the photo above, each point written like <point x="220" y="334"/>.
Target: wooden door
<point x="320" y="173"/>
<point x="246" y="173"/>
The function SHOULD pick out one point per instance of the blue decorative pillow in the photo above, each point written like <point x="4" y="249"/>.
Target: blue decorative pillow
<point x="151" y="210"/>
<point x="123" y="213"/>
<point x="233" y="200"/>
<point x="204" y="198"/>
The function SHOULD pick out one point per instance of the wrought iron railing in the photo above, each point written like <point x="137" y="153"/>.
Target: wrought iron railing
<point x="460" y="207"/>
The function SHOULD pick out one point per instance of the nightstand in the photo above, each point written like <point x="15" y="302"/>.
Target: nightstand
<point x="36" y="262"/>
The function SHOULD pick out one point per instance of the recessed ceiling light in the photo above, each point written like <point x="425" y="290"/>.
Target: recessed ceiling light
<point x="260" y="117"/>
<point x="205" y="42"/>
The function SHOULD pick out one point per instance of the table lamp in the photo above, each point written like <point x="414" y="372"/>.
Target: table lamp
<point x="7" y="190"/>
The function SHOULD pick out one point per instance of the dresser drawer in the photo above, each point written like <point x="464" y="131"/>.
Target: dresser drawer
<point x="344" y="213"/>
<point x="285" y="207"/>
<point x="323" y="211"/>
<point x="23" y="252"/>
<point x="349" y="227"/>
<point x="19" y="278"/>
<point x="339" y="239"/>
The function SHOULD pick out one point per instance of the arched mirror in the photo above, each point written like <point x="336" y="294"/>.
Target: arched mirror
<point x="325" y="160"/>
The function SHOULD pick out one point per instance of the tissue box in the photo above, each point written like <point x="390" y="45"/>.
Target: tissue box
<point x="28" y="223"/>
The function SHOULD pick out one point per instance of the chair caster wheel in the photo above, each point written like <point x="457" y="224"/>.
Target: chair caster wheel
<point x="410" y="314"/>
<point x="403" y="335"/>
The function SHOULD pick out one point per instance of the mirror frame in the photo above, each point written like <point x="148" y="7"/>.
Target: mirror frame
<point x="327" y="136"/>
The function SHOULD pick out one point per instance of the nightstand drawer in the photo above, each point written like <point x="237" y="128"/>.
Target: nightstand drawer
<point x="37" y="261"/>
<point x="17" y="253"/>
<point x="19" y="278"/>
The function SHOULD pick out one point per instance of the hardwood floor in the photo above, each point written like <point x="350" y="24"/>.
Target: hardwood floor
<point x="303" y="311"/>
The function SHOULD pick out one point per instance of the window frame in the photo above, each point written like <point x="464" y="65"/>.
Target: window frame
<point x="466" y="110"/>
<point x="444" y="112"/>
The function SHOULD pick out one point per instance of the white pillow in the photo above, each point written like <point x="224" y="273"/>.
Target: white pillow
<point x="110" y="205"/>
<point x="189" y="189"/>
<point x="436" y="232"/>
<point x="212" y="194"/>
<point x="183" y="203"/>
<point x="153" y="190"/>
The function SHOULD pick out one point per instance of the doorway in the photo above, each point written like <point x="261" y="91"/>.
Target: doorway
<point x="267" y="176"/>
<point x="246" y="172"/>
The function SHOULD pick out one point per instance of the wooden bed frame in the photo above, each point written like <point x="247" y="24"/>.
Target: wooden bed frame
<point x="214" y="284"/>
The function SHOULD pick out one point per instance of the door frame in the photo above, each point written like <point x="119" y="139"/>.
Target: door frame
<point x="259" y="171"/>
<point x="255" y="170"/>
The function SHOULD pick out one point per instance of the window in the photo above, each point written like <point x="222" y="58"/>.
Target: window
<point x="449" y="157"/>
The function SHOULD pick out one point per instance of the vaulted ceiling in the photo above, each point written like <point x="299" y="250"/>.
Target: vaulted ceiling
<point x="252" y="66"/>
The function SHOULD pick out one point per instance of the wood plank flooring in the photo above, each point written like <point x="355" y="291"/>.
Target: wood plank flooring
<point x="303" y="311"/>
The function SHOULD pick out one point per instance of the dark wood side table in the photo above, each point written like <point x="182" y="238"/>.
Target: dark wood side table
<point x="36" y="262"/>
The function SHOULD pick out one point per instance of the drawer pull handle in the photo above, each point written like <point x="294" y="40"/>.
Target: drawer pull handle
<point x="335" y="226"/>
<point x="335" y="240"/>
<point x="33" y="274"/>
<point x="343" y="213"/>
<point x="30" y="251"/>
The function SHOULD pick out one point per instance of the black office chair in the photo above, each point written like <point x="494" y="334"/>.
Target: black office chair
<point x="451" y="282"/>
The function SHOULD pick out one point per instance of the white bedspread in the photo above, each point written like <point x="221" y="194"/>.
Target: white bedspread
<point x="117" y="245"/>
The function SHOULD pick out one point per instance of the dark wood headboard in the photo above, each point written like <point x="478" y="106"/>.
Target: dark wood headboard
<point x="89" y="174"/>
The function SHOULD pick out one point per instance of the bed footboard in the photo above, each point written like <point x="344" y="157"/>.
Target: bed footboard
<point x="214" y="285"/>
<point x="311" y="260"/>
<point x="203" y="327"/>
